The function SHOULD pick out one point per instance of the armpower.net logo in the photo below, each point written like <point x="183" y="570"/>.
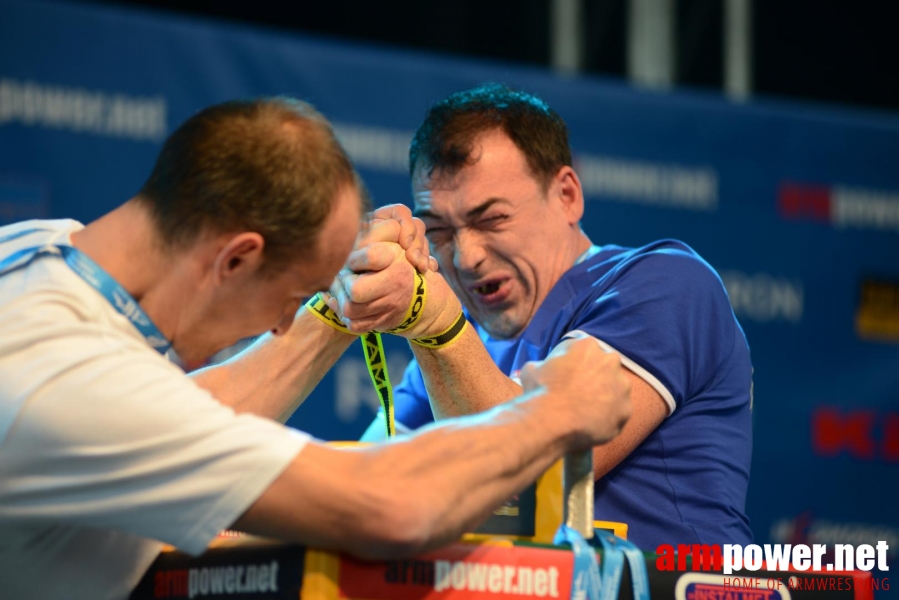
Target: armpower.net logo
<point x="842" y="568"/>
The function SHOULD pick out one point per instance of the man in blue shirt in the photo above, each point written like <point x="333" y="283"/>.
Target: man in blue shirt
<point x="493" y="182"/>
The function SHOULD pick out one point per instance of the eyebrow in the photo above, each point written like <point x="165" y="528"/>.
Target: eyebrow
<point x="424" y="213"/>
<point x="471" y="214"/>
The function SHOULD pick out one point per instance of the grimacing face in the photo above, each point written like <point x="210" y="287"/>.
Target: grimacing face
<point x="501" y="240"/>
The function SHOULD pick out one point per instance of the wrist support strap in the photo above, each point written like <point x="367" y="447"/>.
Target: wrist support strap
<point x="318" y="307"/>
<point x="416" y="307"/>
<point x="446" y="337"/>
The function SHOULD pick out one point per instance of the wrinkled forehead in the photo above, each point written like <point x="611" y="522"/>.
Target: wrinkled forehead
<point x="425" y="183"/>
<point x="437" y="193"/>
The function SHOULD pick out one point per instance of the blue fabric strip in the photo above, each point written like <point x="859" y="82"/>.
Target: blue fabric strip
<point x="615" y="550"/>
<point x="612" y="565"/>
<point x="637" y="562"/>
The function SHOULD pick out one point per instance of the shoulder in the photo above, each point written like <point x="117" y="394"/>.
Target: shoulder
<point x="46" y="290"/>
<point x="43" y="278"/>
<point x="665" y="265"/>
<point x="663" y="286"/>
<point x="659" y="254"/>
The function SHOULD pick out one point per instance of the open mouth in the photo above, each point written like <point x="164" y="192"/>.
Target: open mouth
<point x="491" y="293"/>
<point x="487" y="288"/>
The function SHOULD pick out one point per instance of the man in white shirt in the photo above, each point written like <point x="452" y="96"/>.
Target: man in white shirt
<point x="107" y="450"/>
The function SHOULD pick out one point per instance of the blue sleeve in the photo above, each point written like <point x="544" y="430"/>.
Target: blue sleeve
<point x="412" y="407"/>
<point x="665" y="309"/>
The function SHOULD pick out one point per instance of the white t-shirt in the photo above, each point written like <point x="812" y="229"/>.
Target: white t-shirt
<point x="106" y="448"/>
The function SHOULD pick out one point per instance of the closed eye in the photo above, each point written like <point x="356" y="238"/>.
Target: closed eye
<point x="491" y="221"/>
<point x="437" y="232"/>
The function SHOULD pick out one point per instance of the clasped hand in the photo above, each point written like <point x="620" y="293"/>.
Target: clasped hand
<point x="374" y="289"/>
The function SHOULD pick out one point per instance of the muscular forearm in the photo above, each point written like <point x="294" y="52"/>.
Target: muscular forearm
<point x="272" y="377"/>
<point x="414" y="494"/>
<point x="462" y="378"/>
<point x="500" y="453"/>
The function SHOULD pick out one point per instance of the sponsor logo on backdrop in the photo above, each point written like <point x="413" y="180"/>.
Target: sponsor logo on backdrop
<point x="79" y="110"/>
<point x="376" y="148"/>
<point x="602" y="177"/>
<point x="877" y="317"/>
<point x="866" y="435"/>
<point x="764" y="297"/>
<point x="667" y="185"/>
<point x="806" y="529"/>
<point x="840" y="206"/>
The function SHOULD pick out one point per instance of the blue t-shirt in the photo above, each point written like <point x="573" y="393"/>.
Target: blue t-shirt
<point x="665" y="310"/>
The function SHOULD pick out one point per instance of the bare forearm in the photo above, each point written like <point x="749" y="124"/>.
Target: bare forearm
<point x="272" y="377"/>
<point x="462" y="378"/>
<point x="415" y="494"/>
<point x="485" y="459"/>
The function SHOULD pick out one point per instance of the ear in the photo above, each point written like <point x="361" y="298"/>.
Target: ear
<point x="567" y="188"/>
<point x="240" y="257"/>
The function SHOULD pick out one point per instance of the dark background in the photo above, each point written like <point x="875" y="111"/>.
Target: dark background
<point x="835" y="52"/>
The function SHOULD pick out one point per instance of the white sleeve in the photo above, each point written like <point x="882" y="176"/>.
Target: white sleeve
<point x="637" y="370"/>
<point x="111" y="435"/>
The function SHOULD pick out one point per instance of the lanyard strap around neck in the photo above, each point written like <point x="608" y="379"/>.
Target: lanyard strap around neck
<point x="98" y="279"/>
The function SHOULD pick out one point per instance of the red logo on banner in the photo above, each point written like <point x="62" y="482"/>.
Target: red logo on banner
<point x="835" y="432"/>
<point x="804" y="202"/>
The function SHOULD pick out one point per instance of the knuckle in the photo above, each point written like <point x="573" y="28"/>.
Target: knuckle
<point x="399" y="210"/>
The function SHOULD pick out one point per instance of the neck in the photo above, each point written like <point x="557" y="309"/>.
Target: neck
<point x="124" y="243"/>
<point x="581" y="244"/>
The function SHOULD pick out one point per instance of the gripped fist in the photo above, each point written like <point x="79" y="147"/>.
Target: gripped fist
<point x="373" y="293"/>
<point x="395" y="223"/>
<point x="589" y="388"/>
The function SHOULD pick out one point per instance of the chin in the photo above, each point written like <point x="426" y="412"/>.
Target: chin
<point x="502" y="329"/>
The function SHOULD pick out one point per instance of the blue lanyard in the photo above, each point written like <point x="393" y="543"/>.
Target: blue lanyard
<point x="585" y="579"/>
<point x="97" y="278"/>
<point x="614" y="551"/>
<point x="587" y="582"/>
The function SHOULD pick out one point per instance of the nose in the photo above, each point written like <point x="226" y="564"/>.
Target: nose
<point x="284" y="324"/>
<point x="469" y="251"/>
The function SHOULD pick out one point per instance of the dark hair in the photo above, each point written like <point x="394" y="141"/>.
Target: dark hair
<point x="269" y="165"/>
<point x="445" y="141"/>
